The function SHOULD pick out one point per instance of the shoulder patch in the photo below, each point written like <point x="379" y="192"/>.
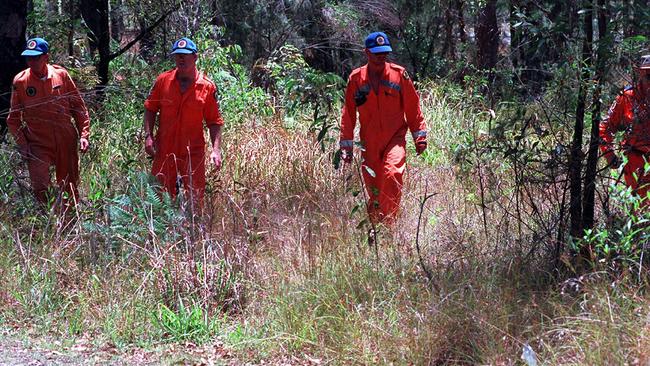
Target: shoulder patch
<point x="406" y="76"/>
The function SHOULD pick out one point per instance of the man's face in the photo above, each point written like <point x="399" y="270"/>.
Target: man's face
<point x="185" y="62"/>
<point x="37" y="63"/>
<point x="376" y="59"/>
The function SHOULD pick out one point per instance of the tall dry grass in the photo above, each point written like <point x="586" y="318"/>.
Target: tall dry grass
<point x="278" y="267"/>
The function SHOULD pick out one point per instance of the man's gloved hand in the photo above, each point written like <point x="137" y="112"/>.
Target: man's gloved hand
<point x="420" y="144"/>
<point x="360" y="97"/>
<point x="346" y="154"/>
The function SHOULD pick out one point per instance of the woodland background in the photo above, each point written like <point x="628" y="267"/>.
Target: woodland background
<point x="514" y="240"/>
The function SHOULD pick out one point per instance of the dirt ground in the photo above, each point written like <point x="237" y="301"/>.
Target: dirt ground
<point x="19" y="347"/>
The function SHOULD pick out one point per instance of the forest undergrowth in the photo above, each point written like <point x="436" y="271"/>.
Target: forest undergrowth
<point x="280" y="264"/>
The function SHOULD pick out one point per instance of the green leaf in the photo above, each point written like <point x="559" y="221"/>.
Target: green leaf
<point x="355" y="209"/>
<point x="337" y="159"/>
<point x="323" y="132"/>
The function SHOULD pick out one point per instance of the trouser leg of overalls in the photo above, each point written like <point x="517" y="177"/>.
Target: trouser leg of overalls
<point x="635" y="175"/>
<point x="385" y="189"/>
<point x="39" y="160"/>
<point x="164" y="169"/>
<point x="191" y="170"/>
<point x="194" y="180"/>
<point x="66" y="162"/>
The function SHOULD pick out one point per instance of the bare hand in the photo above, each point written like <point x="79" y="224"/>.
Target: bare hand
<point x="215" y="156"/>
<point x="83" y="144"/>
<point x="149" y="147"/>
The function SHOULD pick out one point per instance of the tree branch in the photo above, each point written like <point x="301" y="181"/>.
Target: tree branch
<point x="142" y="34"/>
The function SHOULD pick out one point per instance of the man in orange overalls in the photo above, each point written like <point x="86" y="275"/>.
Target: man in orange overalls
<point x="385" y="98"/>
<point x="182" y="98"/>
<point x="43" y="100"/>
<point x="630" y="114"/>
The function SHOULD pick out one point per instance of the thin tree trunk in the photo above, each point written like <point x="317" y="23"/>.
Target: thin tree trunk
<point x="449" y="47"/>
<point x="104" y="43"/>
<point x="72" y="13"/>
<point x="461" y="21"/>
<point x="13" y="23"/>
<point x="592" y="159"/>
<point x="487" y="37"/>
<point x="117" y="21"/>
<point x="575" y="160"/>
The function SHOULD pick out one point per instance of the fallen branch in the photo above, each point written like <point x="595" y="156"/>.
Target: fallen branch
<point x="426" y="270"/>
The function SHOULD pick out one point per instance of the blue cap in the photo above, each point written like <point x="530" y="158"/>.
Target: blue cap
<point x="36" y="47"/>
<point x="184" y="46"/>
<point x="378" y="42"/>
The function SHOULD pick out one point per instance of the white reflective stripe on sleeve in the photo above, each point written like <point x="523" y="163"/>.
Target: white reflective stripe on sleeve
<point x="346" y="143"/>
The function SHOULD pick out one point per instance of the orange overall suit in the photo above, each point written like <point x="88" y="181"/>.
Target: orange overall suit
<point x="39" y="120"/>
<point x="179" y="140"/>
<point x="630" y="115"/>
<point x="384" y="118"/>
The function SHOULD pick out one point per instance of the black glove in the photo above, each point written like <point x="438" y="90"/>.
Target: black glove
<point x="360" y="97"/>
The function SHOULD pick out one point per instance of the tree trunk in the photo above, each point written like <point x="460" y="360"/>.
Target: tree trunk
<point x="461" y="21"/>
<point x="449" y="47"/>
<point x="515" y="35"/>
<point x="575" y="160"/>
<point x="73" y="14"/>
<point x="592" y="159"/>
<point x="96" y="17"/>
<point x="487" y="37"/>
<point x="117" y="21"/>
<point x="13" y="23"/>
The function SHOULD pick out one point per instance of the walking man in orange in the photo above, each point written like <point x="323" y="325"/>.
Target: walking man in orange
<point x="43" y="100"/>
<point x="182" y="98"/>
<point x="630" y="114"/>
<point x="388" y="105"/>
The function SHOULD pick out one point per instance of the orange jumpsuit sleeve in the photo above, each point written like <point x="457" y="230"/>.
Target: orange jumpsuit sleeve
<point x="14" y="119"/>
<point x="411" y="103"/>
<point x="612" y="123"/>
<point x="77" y="107"/>
<point x="152" y="103"/>
<point x="211" y="112"/>
<point x="348" y="116"/>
